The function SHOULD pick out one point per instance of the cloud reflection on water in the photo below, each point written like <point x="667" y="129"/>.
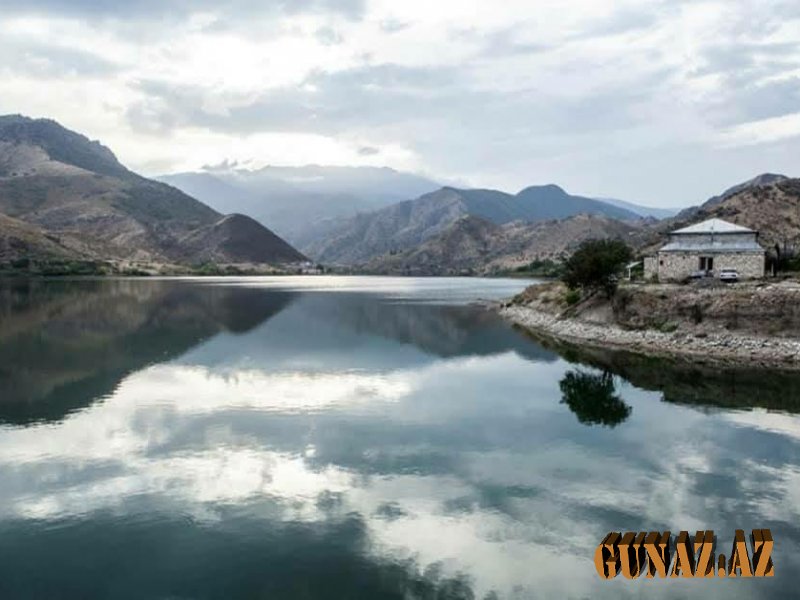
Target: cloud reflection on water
<point x="455" y="458"/>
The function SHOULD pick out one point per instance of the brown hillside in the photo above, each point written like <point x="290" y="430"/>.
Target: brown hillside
<point x="71" y="188"/>
<point x="477" y="245"/>
<point x="773" y="210"/>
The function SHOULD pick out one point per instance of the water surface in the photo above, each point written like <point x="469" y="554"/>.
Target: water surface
<point x="316" y="437"/>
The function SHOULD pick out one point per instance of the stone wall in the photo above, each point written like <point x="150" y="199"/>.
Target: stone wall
<point x="674" y="266"/>
<point x="650" y="267"/>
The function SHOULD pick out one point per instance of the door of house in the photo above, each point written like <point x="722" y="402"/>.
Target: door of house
<point x="706" y="263"/>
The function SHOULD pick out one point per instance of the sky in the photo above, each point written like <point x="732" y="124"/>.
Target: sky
<point x="661" y="102"/>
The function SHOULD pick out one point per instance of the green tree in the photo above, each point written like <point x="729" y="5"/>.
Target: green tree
<point x="595" y="265"/>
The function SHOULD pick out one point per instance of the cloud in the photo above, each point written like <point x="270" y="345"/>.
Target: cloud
<point x="506" y="42"/>
<point x="424" y="100"/>
<point x="624" y="21"/>
<point x="178" y="9"/>
<point x="39" y="59"/>
<point x="762" y="131"/>
<point x="368" y="151"/>
<point x="328" y="36"/>
<point x="223" y="166"/>
<point x="587" y="94"/>
<point x="392" y="25"/>
<point x="346" y="101"/>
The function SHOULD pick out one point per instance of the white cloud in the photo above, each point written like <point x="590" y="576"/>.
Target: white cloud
<point x="587" y="94"/>
<point x="763" y="131"/>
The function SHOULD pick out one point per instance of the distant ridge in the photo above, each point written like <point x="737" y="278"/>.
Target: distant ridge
<point x="406" y="224"/>
<point x="473" y="245"/>
<point x="300" y="203"/>
<point x="641" y="210"/>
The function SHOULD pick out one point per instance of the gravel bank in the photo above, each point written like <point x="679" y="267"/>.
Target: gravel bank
<point x="728" y="349"/>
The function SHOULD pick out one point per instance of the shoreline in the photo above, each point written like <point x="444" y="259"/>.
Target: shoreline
<point x="713" y="349"/>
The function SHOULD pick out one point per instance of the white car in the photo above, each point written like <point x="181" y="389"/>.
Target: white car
<point x="729" y="275"/>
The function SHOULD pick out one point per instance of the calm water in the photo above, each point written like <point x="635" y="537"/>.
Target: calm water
<point x="360" y="438"/>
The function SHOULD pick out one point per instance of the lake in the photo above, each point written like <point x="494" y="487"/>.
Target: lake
<point x="357" y="437"/>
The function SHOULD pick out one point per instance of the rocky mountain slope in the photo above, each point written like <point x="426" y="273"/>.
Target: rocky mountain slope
<point x="19" y="239"/>
<point x="475" y="245"/>
<point x="769" y="204"/>
<point x="406" y="225"/>
<point x="301" y="204"/>
<point x="758" y="181"/>
<point x="765" y="179"/>
<point x="65" y="195"/>
<point x="773" y="209"/>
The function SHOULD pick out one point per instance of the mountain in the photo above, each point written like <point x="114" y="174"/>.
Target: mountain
<point x="475" y="245"/>
<point x="19" y="240"/>
<point x="377" y="182"/>
<point x="405" y="225"/>
<point x="765" y="179"/>
<point x="756" y="182"/>
<point x="640" y="209"/>
<point x="236" y="238"/>
<point x="63" y="194"/>
<point x="769" y="204"/>
<point x="301" y="203"/>
<point x="772" y="209"/>
<point x="544" y="202"/>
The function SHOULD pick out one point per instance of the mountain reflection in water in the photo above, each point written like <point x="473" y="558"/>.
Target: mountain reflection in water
<point x="357" y="438"/>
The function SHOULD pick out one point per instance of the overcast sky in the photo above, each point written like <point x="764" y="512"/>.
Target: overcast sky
<point x="660" y="102"/>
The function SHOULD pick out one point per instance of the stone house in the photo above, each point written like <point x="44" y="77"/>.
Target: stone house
<point x="708" y="247"/>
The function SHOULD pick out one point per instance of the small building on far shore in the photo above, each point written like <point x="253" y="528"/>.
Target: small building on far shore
<point x="707" y="248"/>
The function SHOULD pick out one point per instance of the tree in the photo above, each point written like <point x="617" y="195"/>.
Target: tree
<point x="595" y="265"/>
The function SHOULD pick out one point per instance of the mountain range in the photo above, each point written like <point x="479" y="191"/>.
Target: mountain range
<point x="307" y="204"/>
<point x="406" y="225"/>
<point x="472" y="231"/>
<point x="63" y="196"/>
<point x="474" y="245"/>
<point x="301" y="204"/>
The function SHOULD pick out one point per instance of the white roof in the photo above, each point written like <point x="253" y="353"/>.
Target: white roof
<point x="714" y="226"/>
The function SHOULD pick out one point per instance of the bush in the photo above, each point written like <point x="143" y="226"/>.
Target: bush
<point x="595" y="264"/>
<point x="572" y="297"/>
<point x="668" y="327"/>
<point x="541" y="268"/>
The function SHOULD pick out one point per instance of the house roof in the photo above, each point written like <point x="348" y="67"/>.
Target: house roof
<point x="714" y="226"/>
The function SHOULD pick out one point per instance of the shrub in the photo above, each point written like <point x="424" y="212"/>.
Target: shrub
<point x="663" y="325"/>
<point x="572" y="297"/>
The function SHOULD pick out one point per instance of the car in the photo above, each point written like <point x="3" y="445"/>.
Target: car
<point x="729" y="275"/>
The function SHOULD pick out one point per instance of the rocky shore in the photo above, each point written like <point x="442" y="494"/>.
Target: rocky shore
<point x="689" y="343"/>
